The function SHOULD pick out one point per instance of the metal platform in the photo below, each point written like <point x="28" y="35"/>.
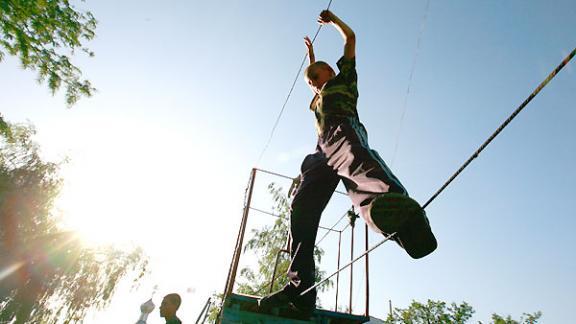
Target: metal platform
<point x="242" y="309"/>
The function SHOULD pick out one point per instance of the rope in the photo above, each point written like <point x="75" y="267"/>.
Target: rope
<point x="506" y="122"/>
<point x="331" y="228"/>
<point x="284" y="218"/>
<point x="412" y="69"/>
<point x="289" y="94"/>
<point x="349" y="264"/>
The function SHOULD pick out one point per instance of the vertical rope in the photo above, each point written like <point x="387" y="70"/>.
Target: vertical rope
<point x="289" y="94"/>
<point x="412" y="69"/>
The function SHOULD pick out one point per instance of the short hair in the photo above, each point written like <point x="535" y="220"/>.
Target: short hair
<point x="174" y="299"/>
<point x="309" y="71"/>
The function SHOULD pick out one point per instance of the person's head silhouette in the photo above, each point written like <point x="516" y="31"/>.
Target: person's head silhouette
<point x="168" y="308"/>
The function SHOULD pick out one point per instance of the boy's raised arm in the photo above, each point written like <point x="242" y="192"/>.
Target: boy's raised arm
<point x="327" y="17"/>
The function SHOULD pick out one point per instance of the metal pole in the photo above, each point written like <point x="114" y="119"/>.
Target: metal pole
<point x="351" y="268"/>
<point x="338" y="275"/>
<point x="276" y="268"/>
<point x="239" y="242"/>
<point x="204" y="309"/>
<point x="338" y="266"/>
<point x="386" y="239"/>
<point x="367" y="312"/>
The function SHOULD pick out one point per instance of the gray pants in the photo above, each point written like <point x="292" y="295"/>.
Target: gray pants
<point x="343" y="154"/>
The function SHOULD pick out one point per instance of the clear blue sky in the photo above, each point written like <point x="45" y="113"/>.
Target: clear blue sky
<point x="188" y="92"/>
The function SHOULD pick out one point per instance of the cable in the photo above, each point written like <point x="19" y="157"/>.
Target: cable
<point x="349" y="263"/>
<point x="506" y="122"/>
<point x="289" y="94"/>
<point x="412" y="69"/>
<point x="331" y="228"/>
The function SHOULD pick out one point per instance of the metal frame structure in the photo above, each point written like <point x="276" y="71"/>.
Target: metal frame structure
<point x="231" y="279"/>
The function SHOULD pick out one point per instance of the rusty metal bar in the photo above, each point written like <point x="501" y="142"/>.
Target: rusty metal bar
<point x="204" y="309"/>
<point x="326" y="234"/>
<point x="321" y="282"/>
<point x="290" y="178"/>
<point x="351" y="267"/>
<point x="275" y="268"/>
<point x="239" y="241"/>
<point x="279" y="216"/>
<point x="367" y="311"/>
<point x="338" y="266"/>
<point x="275" y="174"/>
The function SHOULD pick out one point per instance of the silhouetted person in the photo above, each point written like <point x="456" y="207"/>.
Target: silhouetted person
<point x="168" y="308"/>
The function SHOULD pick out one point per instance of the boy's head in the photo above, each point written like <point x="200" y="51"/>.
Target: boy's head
<point x="170" y="305"/>
<point x="317" y="74"/>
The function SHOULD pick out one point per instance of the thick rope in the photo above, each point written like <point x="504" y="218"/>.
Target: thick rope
<point x="514" y="114"/>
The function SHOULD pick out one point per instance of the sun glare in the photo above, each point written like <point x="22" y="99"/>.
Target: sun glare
<point x="140" y="191"/>
<point x="119" y="202"/>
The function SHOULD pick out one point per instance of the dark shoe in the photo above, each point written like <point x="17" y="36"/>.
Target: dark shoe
<point x="416" y="237"/>
<point x="398" y="213"/>
<point x="280" y="298"/>
<point x="392" y="211"/>
<point x="291" y="302"/>
<point x="305" y="305"/>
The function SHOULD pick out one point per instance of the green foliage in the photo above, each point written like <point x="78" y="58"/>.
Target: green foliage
<point x="439" y="312"/>
<point x="431" y="312"/>
<point x="267" y="243"/>
<point x="43" y="34"/>
<point x="46" y="275"/>
<point x="525" y="319"/>
<point x="215" y="306"/>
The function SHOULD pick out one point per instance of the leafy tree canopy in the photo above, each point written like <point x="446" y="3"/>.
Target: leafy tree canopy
<point x="440" y="312"/>
<point x="267" y="243"/>
<point x="47" y="275"/>
<point x="43" y="34"/>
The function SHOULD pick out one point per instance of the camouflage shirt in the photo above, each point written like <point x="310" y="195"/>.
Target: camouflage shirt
<point x="338" y="96"/>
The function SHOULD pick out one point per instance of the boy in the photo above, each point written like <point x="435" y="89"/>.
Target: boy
<point x="168" y="308"/>
<point x="342" y="153"/>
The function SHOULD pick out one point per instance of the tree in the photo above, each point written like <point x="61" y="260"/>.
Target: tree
<point x="266" y="243"/>
<point x="431" y="312"/>
<point x="47" y="275"/>
<point x="43" y="34"/>
<point x="525" y="319"/>
<point x="439" y="312"/>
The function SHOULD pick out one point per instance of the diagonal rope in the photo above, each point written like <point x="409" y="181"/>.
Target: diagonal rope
<point x="506" y="122"/>
<point x="349" y="263"/>
<point x="289" y="94"/>
<point x="331" y="228"/>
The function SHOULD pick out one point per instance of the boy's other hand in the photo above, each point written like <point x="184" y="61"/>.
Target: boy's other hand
<point x="310" y="48"/>
<point x="308" y="42"/>
<point x="326" y="17"/>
